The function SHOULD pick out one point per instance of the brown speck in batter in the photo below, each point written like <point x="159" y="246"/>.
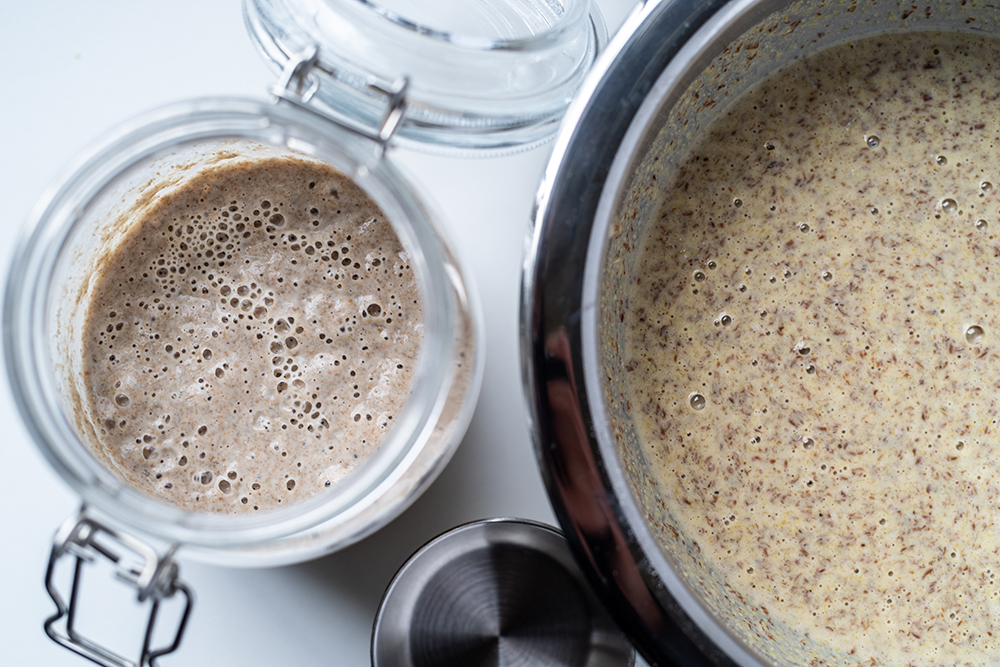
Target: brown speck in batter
<point x="867" y="488"/>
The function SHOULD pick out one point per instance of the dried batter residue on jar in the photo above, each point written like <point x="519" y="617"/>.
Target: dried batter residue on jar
<point x="252" y="338"/>
<point x="813" y="348"/>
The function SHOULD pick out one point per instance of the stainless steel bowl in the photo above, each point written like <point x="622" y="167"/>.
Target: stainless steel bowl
<point x="635" y="118"/>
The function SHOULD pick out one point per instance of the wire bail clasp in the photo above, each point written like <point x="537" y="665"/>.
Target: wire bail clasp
<point x="298" y="85"/>
<point x="137" y="564"/>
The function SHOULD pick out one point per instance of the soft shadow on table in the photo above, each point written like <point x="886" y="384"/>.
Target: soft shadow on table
<point x="465" y="491"/>
<point x="363" y="570"/>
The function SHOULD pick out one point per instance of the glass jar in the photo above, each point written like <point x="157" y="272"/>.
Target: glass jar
<point x="47" y="304"/>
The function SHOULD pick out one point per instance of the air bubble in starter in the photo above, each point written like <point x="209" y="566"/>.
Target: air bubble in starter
<point x="974" y="334"/>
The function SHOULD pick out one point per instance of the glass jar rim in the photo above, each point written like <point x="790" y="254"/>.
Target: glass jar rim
<point x="567" y="21"/>
<point x="157" y="133"/>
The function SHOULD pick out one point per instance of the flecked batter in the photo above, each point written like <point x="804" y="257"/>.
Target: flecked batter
<point x="251" y="340"/>
<point x="813" y="348"/>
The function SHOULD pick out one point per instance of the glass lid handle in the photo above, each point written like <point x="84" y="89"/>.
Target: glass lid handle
<point x="297" y="86"/>
<point x="154" y="576"/>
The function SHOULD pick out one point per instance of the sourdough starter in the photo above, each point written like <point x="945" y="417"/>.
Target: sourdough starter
<point x="252" y="338"/>
<point x="813" y="348"/>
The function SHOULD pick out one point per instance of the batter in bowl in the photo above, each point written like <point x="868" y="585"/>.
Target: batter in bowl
<point x="813" y="331"/>
<point x="251" y="340"/>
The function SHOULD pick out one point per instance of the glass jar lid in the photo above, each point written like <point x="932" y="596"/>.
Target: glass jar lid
<point x="495" y="75"/>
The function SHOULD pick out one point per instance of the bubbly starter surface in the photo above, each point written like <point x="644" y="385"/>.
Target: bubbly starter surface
<point x="813" y="348"/>
<point x="251" y="340"/>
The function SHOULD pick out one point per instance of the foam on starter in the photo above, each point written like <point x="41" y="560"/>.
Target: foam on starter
<point x="251" y="340"/>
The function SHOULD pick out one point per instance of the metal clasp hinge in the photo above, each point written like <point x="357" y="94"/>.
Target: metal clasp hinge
<point x="137" y="564"/>
<point x="297" y="87"/>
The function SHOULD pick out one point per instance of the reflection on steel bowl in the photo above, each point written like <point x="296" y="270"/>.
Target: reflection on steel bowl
<point x="736" y="350"/>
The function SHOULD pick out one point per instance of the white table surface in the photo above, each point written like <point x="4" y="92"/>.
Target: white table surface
<point x="72" y="71"/>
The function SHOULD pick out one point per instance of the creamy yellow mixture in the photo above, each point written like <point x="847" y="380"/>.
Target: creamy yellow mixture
<point x="251" y="340"/>
<point x="813" y="348"/>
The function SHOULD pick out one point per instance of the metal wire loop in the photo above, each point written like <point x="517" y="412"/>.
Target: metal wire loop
<point x="137" y="564"/>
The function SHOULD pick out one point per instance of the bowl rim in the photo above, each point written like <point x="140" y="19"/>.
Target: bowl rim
<point x="601" y="521"/>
